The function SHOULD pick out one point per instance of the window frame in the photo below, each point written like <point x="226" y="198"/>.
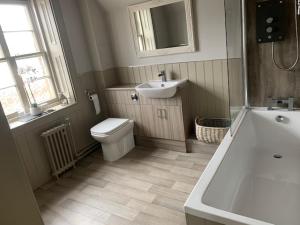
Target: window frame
<point x="43" y="52"/>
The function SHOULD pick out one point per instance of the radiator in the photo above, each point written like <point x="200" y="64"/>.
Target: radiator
<point x="58" y="141"/>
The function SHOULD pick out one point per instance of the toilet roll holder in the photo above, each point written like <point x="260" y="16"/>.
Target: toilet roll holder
<point x="89" y="93"/>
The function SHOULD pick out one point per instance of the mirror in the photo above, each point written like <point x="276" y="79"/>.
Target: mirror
<point x="162" y="27"/>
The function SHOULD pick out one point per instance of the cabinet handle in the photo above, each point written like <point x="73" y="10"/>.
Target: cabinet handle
<point x="159" y="113"/>
<point x="165" y="114"/>
<point x="162" y="113"/>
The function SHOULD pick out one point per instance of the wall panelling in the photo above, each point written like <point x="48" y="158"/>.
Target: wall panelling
<point x="208" y="79"/>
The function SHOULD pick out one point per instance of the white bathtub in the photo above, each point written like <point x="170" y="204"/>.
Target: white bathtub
<point x="244" y="183"/>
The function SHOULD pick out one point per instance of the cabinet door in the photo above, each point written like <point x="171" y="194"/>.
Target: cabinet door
<point x="176" y="123"/>
<point x="169" y="122"/>
<point x="162" y="122"/>
<point x="165" y="122"/>
<point x="148" y="125"/>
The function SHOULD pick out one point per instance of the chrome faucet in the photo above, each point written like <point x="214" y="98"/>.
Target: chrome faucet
<point x="279" y="102"/>
<point x="163" y="76"/>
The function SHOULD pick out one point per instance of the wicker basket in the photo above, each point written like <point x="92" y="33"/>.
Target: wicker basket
<point x="211" y="131"/>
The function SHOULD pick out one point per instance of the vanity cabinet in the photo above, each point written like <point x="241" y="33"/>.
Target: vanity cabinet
<point x="163" y="119"/>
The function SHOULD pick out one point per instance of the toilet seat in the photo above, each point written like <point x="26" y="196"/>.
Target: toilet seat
<point x="116" y="134"/>
<point x="109" y="126"/>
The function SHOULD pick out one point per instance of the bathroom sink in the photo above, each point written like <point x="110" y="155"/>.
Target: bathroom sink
<point x="159" y="89"/>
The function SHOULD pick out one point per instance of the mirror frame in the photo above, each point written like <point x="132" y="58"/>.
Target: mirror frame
<point x="165" y="51"/>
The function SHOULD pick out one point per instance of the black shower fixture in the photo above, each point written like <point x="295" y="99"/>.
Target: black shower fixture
<point x="271" y="24"/>
<point x="271" y="20"/>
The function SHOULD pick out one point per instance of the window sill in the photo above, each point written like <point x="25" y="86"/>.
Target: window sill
<point x="27" y="119"/>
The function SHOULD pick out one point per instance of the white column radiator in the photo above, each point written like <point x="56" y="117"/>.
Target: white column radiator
<point x="59" y="145"/>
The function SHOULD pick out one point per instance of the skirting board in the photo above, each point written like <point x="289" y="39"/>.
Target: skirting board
<point x="178" y="146"/>
<point x="195" y="146"/>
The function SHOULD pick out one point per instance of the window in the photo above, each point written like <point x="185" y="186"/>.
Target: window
<point x="29" y="73"/>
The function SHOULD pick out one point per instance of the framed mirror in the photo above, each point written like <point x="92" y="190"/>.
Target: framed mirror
<point x="162" y="27"/>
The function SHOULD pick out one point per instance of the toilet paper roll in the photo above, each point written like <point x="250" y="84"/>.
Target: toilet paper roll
<point x="95" y="99"/>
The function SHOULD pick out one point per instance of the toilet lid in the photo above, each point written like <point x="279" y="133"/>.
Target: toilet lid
<point x="108" y="126"/>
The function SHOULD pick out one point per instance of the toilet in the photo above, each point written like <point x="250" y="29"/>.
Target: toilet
<point x="115" y="136"/>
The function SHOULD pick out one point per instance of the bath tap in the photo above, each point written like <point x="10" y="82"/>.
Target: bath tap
<point x="273" y="102"/>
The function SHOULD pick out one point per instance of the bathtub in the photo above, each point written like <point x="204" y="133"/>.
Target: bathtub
<point x="254" y="176"/>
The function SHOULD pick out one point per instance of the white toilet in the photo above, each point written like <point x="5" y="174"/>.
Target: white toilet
<point x="115" y="136"/>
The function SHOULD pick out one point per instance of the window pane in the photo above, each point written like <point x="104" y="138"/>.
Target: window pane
<point x="10" y="101"/>
<point x="6" y="77"/>
<point x="20" y="43"/>
<point x="40" y="91"/>
<point x="32" y="68"/>
<point x="14" y="17"/>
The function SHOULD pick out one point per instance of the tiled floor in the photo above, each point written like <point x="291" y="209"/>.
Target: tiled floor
<point x="147" y="187"/>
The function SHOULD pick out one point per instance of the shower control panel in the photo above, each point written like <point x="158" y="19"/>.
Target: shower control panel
<point x="270" y="20"/>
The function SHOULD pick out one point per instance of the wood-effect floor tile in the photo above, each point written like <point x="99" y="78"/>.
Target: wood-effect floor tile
<point x="146" y="187"/>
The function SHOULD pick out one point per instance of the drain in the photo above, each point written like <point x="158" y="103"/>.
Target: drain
<point x="277" y="156"/>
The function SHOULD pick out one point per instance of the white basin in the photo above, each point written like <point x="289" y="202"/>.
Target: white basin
<point x="159" y="89"/>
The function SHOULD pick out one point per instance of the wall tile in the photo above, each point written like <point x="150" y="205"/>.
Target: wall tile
<point x="136" y="74"/>
<point x="169" y="71"/>
<point x="209" y="84"/>
<point x="149" y="73"/>
<point x="183" y="70"/>
<point x="123" y="75"/>
<point x="143" y="74"/>
<point x="176" y="71"/>
<point x="155" y="72"/>
<point x="131" y="79"/>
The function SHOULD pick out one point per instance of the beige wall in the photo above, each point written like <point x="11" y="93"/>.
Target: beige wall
<point x="17" y="204"/>
<point x="75" y="30"/>
<point x="98" y="34"/>
<point x="209" y="29"/>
